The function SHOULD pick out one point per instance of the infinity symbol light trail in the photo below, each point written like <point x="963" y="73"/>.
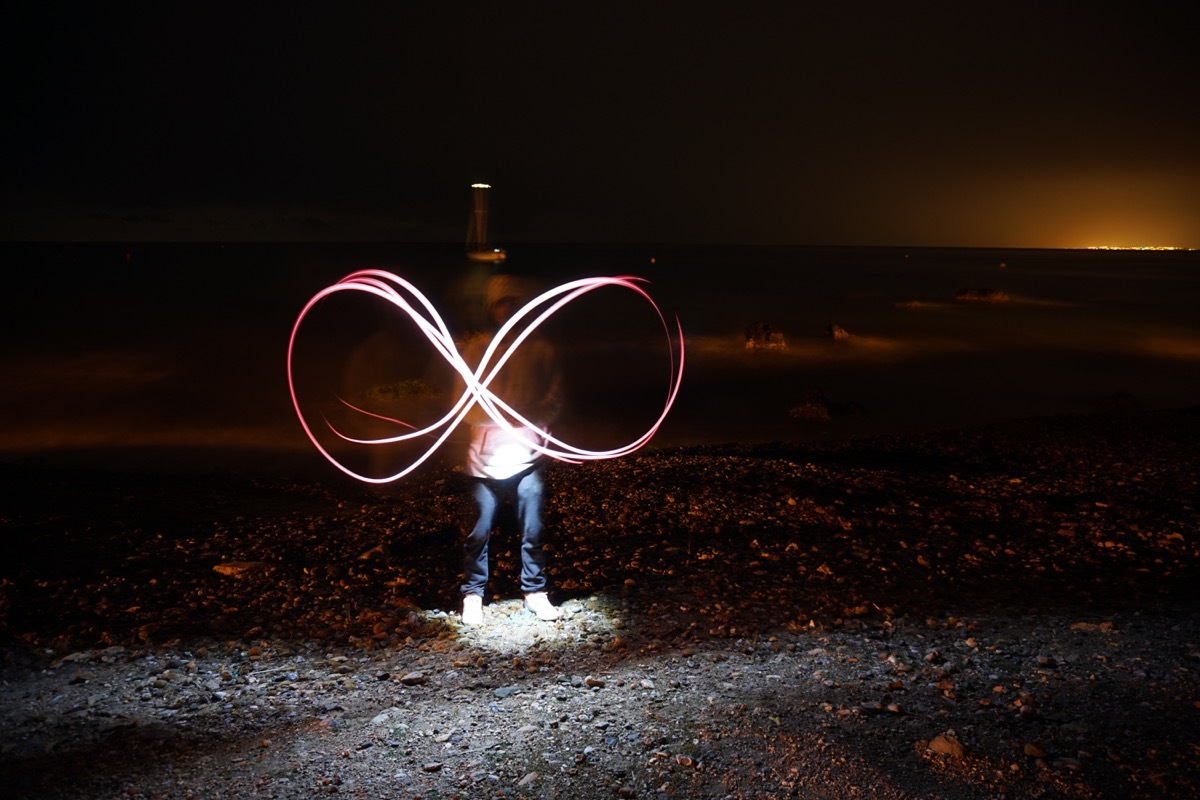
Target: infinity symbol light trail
<point x="402" y="294"/>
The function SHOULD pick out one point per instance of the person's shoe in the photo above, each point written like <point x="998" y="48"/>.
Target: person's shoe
<point x="472" y="609"/>
<point x="538" y="603"/>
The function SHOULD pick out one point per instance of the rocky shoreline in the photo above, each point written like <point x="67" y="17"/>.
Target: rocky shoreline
<point x="1006" y="611"/>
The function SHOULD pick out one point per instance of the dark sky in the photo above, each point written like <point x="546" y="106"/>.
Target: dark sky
<point x="1003" y="124"/>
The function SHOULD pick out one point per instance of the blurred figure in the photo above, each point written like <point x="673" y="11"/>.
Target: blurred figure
<point x="388" y="374"/>
<point x="504" y="464"/>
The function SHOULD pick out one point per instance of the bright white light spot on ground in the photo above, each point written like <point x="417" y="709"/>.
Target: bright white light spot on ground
<point x="509" y="627"/>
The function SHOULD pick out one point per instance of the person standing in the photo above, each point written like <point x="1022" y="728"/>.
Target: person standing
<point x="504" y="464"/>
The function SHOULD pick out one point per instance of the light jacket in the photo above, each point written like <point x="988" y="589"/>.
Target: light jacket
<point x="531" y="383"/>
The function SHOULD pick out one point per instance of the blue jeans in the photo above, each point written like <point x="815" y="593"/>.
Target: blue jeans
<point x="526" y="491"/>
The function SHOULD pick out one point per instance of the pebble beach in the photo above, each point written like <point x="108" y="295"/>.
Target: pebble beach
<point x="1005" y="610"/>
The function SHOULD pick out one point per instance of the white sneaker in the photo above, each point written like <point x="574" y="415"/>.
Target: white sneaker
<point x="472" y="609"/>
<point x="538" y="603"/>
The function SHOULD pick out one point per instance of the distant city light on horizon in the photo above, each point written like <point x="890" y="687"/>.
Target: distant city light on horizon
<point x="1134" y="247"/>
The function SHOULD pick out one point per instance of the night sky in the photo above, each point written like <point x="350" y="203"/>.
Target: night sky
<point x="948" y="124"/>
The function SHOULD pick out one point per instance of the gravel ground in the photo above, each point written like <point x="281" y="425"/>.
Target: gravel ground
<point x="1007" y="611"/>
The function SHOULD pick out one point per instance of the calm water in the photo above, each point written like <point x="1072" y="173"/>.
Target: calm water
<point x="181" y="345"/>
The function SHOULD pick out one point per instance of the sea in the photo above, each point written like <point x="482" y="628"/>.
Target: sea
<point x="177" y="355"/>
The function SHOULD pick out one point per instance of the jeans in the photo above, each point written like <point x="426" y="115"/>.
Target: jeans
<point x="526" y="491"/>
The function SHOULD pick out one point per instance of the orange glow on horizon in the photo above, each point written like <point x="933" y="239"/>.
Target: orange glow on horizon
<point x="1072" y="207"/>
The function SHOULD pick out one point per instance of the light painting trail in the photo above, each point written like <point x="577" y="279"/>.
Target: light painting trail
<point x="408" y="299"/>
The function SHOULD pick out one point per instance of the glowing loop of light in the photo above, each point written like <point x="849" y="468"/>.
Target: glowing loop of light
<point x="398" y="292"/>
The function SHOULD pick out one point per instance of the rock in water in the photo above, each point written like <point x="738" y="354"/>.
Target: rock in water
<point x="761" y="336"/>
<point x="976" y="295"/>
<point x="837" y="332"/>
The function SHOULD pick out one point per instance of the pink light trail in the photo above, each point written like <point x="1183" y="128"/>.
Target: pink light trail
<point x="407" y="298"/>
